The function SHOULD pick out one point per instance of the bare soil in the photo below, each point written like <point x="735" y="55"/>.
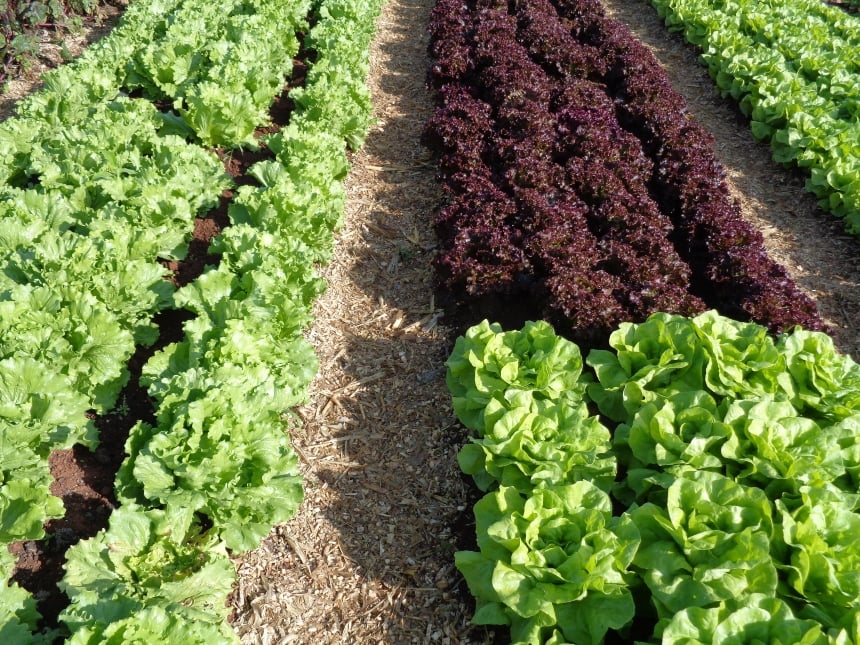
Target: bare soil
<point x="368" y="559"/>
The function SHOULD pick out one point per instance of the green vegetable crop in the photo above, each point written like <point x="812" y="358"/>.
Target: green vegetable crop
<point x="721" y="507"/>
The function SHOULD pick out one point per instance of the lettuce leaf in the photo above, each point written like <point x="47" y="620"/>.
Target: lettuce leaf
<point x="823" y="564"/>
<point x="710" y="543"/>
<point x="777" y="449"/>
<point x="19" y="617"/>
<point x="556" y="557"/>
<point x="826" y="383"/>
<point x="151" y="573"/>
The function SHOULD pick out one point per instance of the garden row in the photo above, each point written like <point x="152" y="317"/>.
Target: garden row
<point x="576" y="180"/>
<point x="720" y="508"/>
<point x="93" y="194"/>
<point x="98" y="188"/>
<point x="793" y="67"/>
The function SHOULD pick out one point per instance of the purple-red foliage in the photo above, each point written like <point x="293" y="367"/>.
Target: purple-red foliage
<point x="485" y="254"/>
<point x="457" y="132"/>
<point x="550" y="43"/>
<point x="451" y="46"/>
<point x="575" y="177"/>
<point x="725" y="251"/>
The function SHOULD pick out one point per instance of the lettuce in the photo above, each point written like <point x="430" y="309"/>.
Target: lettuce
<point x="777" y="449"/>
<point x="555" y="558"/>
<point x="98" y="186"/>
<point x="528" y="441"/>
<point x="50" y="414"/>
<point x="487" y="360"/>
<point x="823" y="564"/>
<point x="663" y="350"/>
<point x="153" y="573"/>
<point x="668" y="354"/>
<point x="756" y="618"/>
<point x="790" y="65"/>
<point x="825" y="383"/>
<point x="739" y="457"/>
<point x="18" y="614"/>
<point x="152" y="624"/>
<point x="682" y="429"/>
<point x="225" y="455"/>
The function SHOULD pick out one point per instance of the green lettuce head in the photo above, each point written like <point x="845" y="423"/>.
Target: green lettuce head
<point x="487" y="361"/>
<point x="554" y="561"/>
<point x="530" y="441"/>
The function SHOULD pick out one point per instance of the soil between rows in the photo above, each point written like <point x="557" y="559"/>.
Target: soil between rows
<point x="368" y="558"/>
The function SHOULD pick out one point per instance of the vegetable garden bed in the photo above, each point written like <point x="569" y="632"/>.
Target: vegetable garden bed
<point x="369" y="554"/>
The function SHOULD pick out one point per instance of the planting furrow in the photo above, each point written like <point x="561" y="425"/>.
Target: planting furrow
<point x="577" y="183"/>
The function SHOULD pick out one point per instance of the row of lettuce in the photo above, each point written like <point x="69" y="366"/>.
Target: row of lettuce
<point x="576" y="181"/>
<point x="98" y="184"/>
<point x="93" y="193"/>
<point x="719" y="508"/>
<point x="792" y="65"/>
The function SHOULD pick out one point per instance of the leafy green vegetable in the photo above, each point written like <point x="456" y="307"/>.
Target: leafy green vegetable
<point x="152" y="573"/>
<point x="528" y="441"/>
<point x="152" y="624"/>
<point x="683" y="429"/>
<point x="824" y="558"/>
<point x="776" y="448"/>
<point x="790" y="64"/>
<point x="825" y="382"/>
<point x="487" y="361"/>
<point x="96" y="187"/>
<point x="42" y="403"/>
<point x="756" y="618"/>
<point x="668" y="354"/>
<point x="557" y="557"/>
<point x="221" y="458"/>
<point x="18" y="614"/>
<point x="711" y="543"/>
<point x="739" y="458"/>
